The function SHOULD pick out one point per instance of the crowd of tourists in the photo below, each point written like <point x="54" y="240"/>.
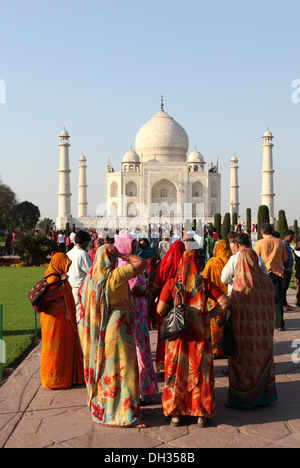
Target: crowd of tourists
<point x="96" y="321"/>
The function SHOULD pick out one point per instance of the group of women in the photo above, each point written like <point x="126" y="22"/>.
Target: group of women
<point x="110" y="351"/>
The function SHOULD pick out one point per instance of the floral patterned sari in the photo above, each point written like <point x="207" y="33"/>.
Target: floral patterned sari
<point x="251" y="369"/>
<point x="107" y="340"/>
<point x="147" y="376"/>
<point x="189" y="373"/>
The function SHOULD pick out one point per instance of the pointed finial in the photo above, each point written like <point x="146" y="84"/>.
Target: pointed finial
<point x="162" y="103"/>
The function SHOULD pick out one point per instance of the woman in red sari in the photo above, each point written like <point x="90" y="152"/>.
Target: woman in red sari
<point x="166" y="269"/>
<point x="189" y="372"/>
<point x="61" y="361"/>
<point x="251" y="369"/>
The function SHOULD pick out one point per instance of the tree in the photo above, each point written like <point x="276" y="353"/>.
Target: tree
<point x="296" y="229"/>
<point x="34" y="249"/>
<point x="26" y="214"/>
<point x="217" y="222"/>
<point x="46" y="224"/>
<point x="248" y="219"/>
<point x="226" y="226"/>
<point x="263" y="216"/>
<point x="234" y="220"/>
<point x="282" y="224"/>
<point x="7" y="203"/>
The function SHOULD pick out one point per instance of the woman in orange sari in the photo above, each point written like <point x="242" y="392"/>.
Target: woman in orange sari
<point x="213" y="271"/>
<point x="189" y="371"/>
<point x="251" y="368"/>
<point x="61" y="361"/>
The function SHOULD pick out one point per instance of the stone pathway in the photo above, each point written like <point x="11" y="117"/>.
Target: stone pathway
<point x="32" y="417"/>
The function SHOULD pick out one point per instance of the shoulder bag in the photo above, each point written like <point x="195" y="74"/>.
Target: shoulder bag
<point x="175" y="321"/>
<point x="40" y="289"/>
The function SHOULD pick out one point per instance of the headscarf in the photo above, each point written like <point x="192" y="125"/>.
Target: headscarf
<point x="94" y="288"/>
<point x="249" y="276"/>
<point x="168" y="267"/>
<point x="58" y="265"/>
<point x="93" y="297"/>
<point x="188" y="279"/>
<point x="124" y="245"/>
<point x="215" y="265"/>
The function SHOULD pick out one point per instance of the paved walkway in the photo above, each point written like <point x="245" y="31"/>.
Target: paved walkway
<point x="33" y="417"/>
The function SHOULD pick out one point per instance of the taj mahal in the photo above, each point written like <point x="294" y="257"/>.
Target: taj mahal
<point x="159" y="180"/>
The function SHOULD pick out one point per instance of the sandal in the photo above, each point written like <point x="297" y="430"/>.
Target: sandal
<point x="175" y="421"/>
<point x="203" y="422"/>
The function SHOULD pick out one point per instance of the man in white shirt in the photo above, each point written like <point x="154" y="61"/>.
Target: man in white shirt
<point x="242" y="241"/>
<point x="81" y="264"/>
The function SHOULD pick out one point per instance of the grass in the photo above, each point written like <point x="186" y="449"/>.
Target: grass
<point x="18" y="313"/>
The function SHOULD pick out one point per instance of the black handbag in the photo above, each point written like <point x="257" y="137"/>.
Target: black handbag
<point x="228" y="340"/>
<point x="174" y="322"/>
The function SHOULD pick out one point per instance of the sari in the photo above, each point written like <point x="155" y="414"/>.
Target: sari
<point x="251" y="369"/>
<point x="147" y="377"/>
<point x="166" y="269"/>
<point x="189" y="371"/>
<point x="106" y="332"/>
<point x="213" y="271"/>
<point x="61" y="359"/>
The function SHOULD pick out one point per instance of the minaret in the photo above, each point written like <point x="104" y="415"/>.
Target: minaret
<point x="82" y="188"/>
<point x="234" y="187"/>
<point x="64" y="194"/>
<point x="267" y="195"/>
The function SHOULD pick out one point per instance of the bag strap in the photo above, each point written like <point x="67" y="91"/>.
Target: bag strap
<point x="52" y="274"/>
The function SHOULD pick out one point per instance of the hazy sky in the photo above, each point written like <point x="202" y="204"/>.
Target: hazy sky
<point x="99" y="67"/>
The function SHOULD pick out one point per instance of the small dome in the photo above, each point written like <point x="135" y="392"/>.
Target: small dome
<point x="131" y="157"/>
<point x="195" y="157"/>
<point x="234" y="158"/>
<point x="82" y="158"/>
<point x="64" y="133"/>
<point x="268" y="134"/>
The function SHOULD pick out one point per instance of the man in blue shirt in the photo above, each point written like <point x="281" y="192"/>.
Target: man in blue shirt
<point x="288" y="266"/>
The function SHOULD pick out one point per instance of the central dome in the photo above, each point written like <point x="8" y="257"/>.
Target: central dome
<point x="163" y="139"/>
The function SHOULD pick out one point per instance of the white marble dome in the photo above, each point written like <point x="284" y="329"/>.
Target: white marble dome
<point x="195" y="157"/>
<point x="131" y="157"/>
<point x="162" y="138"/>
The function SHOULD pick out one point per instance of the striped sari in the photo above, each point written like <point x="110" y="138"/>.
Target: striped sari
<point x="251" y="369"/>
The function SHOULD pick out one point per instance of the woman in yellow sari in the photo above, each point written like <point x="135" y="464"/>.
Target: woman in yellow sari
<point x="212" y="271"/>
<point x="106" y="330"/>
<point x="61" y="361"/>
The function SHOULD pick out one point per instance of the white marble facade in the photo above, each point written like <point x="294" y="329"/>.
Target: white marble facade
<point x="161" y="179"/>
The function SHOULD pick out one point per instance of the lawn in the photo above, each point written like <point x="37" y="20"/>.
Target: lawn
<point x="18" y="314"/>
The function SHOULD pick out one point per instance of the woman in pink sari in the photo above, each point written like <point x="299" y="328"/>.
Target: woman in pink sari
<point x="147" y="377"/>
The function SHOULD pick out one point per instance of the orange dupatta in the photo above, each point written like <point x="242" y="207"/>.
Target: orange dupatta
<point x="212" y="271"/>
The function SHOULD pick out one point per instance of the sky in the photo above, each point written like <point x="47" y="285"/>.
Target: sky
<point x="99" y="67"/>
